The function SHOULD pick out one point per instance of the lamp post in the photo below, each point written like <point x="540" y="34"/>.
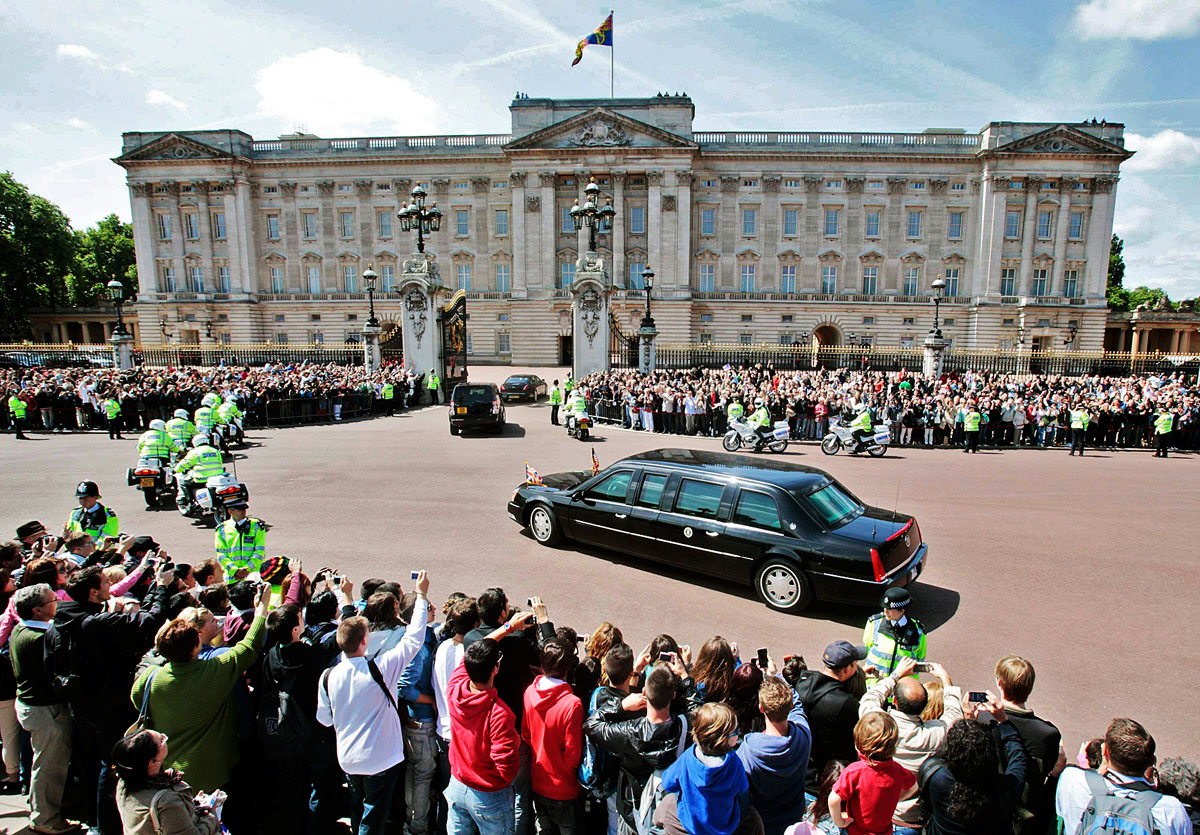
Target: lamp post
<point x="938" y="286"/>
<point x="648" y="283"/>
<point x="935" y="343"/>
<point x="647" y="333"/>
<point x="371" y="330"/>
<point x="121" y="340"/>
<point x="591" y="214"/>
<point x="414" y="215"/>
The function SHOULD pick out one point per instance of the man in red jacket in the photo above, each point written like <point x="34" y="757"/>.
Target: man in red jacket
<point x="484" y="747"/>
<point x="553" y="729"/>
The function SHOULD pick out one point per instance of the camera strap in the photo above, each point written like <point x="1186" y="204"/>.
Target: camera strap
<point x="378" y="676"/>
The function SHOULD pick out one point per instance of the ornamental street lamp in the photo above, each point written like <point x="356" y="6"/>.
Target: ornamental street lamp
<point x="369" y="278"/>
<point x="591" y="214"/>
<point x="116" y="291"/>
<point x="938" y="286"/>
<point x="648" y="283"/>
<point x="414" y="215"/>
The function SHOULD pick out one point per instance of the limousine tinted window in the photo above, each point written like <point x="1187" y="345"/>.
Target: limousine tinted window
<point x="698" y="498"/>
<point x="470" y="395"/>
<point x="652" y="488"/>
<point x="832" y="505"/>
<point x="612" y="489"/>
<point x="757" y="510"/>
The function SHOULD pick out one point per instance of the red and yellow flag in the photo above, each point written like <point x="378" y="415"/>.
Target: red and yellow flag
<point x="603" y="36"/>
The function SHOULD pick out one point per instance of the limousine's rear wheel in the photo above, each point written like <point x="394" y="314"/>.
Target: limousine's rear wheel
<point x="543" y="524"/>
<point x="783" y="586"/>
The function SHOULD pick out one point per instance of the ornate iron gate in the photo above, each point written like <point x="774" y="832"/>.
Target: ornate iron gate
<point x="454" y="340"/>
<point x="622" y="348"/>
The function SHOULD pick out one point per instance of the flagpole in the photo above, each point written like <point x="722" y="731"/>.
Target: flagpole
<point x="612" y="59"/>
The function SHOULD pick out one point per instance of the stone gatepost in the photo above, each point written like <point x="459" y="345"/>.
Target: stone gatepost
<point x="122" y="350"/>
<point x="371" y="355"/>
<point x="935" y="348"/>
<point x="590" y="294"/>
<point x="647" y="349"/>
<point x="420" y="284"/>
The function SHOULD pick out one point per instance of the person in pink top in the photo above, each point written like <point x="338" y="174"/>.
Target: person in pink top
<point x="864" y="798"/>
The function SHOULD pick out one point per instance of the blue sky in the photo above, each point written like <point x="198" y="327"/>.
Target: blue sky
<point x="78" y="74"/>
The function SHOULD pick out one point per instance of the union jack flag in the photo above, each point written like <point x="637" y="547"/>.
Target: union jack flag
<point x="595" y="462"/>
<point x="531" y="475"/>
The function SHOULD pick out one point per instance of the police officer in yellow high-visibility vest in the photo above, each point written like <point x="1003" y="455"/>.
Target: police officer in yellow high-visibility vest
<point x="556" y="399"/>
<point x="388" y="393"/>
<point x="1164" y="422"/>
<point x="112" y="413"/>
<point x="891" y="635"/>
<point x="155" y="442"/>
<point x="181" y="431"/>
<point x="241" y="542"/>
<point x="971" y="421"/>
<point x="197" y="467"/>
<point x="433" y="382"/>
<point x="91" y="517"/>
<point x="863" y="427"/>
<point x="16" y="413"/>
<point x="1079" y="425"/>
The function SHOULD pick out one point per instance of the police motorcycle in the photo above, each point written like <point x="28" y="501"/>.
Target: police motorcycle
<point x="230" y="429"/>
<point x="842" y="436"/>
<point x="744" y="435"/>
<point x="578" y="425"/>
<point x="153" y="476"/>
<point x="208" y="502"/>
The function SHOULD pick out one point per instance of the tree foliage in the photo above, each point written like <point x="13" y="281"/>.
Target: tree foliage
<point x="1116" y="262"/>
<point x="37" y="251"/>
<point x="103" y="253"/>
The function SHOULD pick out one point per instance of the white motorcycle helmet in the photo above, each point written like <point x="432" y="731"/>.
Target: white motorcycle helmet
<point x="758" y="402"/>
<point x="210" y="400"/>
<point x="200" y="440"/>
<point x="160" y="425"/>
<point x="182" y="414"/>
<point x="229" y="398"/>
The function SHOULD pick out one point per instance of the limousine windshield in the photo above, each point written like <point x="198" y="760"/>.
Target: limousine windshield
<point x="832" y="505"/>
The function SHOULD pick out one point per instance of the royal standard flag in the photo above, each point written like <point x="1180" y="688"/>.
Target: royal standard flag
<point x="603" y="36"/>
<point x="595" y="462"/>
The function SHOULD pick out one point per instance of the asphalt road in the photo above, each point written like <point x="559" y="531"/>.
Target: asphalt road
<point x="1087" y="567"/>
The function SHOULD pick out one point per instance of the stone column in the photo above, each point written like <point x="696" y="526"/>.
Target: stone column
<point x="544" y="265"/>
<point x="935" y="348"/>
<point x="1099" y="237"/>
<point x="516" y="215"/>
<point x="200" y="189"/>
<point x="809" y="280"/>
<point x="182" y="280"/>
<point x="992" y="203"/>
<point x="366" y="222"/>
<point x="897" y="240"/>
<point x="1136" y="346"/>
<point x="683" y="227"/>
<point x="122" y="349"/>
<point x="331" y="235"/>
<point x="1032" y="186"/>
<point x="590" y="295"/>
<point x="618" y="232"/>
<point x="770" y="235"/>
<point x="1061" y="230"/>
<point x="856" y="228"/>
<point x="654" y="222"/>
<point x="143" y="239"/>
<point x="420" y="282"/>
<point x="728" y="231"/>
<point x="241" y="235"/>
<point x="647" y="347"/>
<point x="371" y="355"/>
<point x="290" y="221"/>
<point x="439" y="241"/>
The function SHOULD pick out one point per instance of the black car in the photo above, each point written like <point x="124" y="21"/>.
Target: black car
<point x="476" y="406"/>
<point x="524" y="386"/>
<point x="793" y="532"/>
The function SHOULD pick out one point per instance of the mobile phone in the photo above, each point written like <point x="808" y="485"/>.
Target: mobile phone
<point x="922" y="667"/>
<point x="412" y="575"/>
<point x="976" y="696"/>
<point x="668" y="657"/>
<point x="762" y="658"/>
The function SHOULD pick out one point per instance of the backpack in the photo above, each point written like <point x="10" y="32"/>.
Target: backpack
<point x="1108" y="812"/>
<point x="652" y="792"/>
<point x="283" y="729"/>
<point x="61" y="647"/>
<point x="595" y="766"/>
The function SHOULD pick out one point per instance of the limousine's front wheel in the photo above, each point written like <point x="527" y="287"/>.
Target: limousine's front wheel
<point x="783" y="586"/>
<point x="544" y="525"/>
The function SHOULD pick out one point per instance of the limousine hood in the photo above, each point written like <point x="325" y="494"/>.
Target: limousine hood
<point x="565" y="481"/>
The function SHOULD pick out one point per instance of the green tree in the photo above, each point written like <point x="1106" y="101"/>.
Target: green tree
<point x="1116" y="262"/>
<point x="103" y="253"/>
<point x="37" y="252"/>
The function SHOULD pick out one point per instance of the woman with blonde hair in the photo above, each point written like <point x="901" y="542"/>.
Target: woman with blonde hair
<point x="597" y="646"/>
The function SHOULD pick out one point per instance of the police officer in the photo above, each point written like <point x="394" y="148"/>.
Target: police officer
<point x="1079" y="425"/>
<point x="241" y="542"/>
<point x="16" y="411"/>
<point x="971" y="421"/>
<point x="181" y="431"/>
<point x="862" y="428"/>
<point x="91" y="517"/>
<point x="576" y="405"/>
<point x="433" y="382"/>
<point x="112" y="413"/>
<point x="1164" y="422"/>
<point x="570" y="384"/>
<point x="228" y="411"/>
<point x="388" y="392"/>
<point x="734" y="411"/>
<point x="205" y="416"/>
<point x="556" y="399"/>
<point x="203" y="462"/>
<point x="891" y="635"/>
<point x="155" y="442"/>
<point x="760" y="420"/>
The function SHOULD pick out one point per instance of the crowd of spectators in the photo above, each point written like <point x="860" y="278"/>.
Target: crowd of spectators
<point x="70" y="399"/>
<point x="145" y="695"/>
<point x="1016" y="410"/>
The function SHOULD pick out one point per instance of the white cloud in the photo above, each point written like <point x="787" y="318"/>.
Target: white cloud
<point x="1165" y="150"/>
<point x="334" y="92"/>
<point x="161" y="99"/>
<point x="74" y="50"/>
<point x="1144" y="20"/>
<point x="76" y="122"/>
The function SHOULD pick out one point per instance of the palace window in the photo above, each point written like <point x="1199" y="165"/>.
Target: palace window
<point x="385" y="224"/>
<point x="310" y="225"/>
<point x="164" y="227"/>
<point x="387" y="278"/>
<point x="870" y="281"/>
<point x="196" y="277"/>
<point x="708" y="278"/>
<point x="272" y="227"/>
<point x="829" y="275"/>
<point x="504" y="343"/>
<point x="191" y="225"/>
<point x="464" y="277"/>
<point x="314" y="279"/>
<point x="350" y="278"/>
<point x="1012" y="224"/>
<point x="790" y="222"/>
<point x="912" y="277"/>
<point x="168" y="274"/>
<point x="218" y="225"/>
<point x="635" y="275"/>
<point x="952" y="281"/>
<point x="1071" y="284"/>
<point x="1076" y="231"/>
<point x="277" y="280"/>
<point x="872" y="224"/>
<point x="566" y="275"/>
<point x="501" y="223"/>
<point x="914" y="224"/>
<point x="504" y="278"/>
<point x="637" y="220"/>
<point x="749" y="222"/>
<point x="746" y="338"/>
<point x="955" y="226"/>
<point x="831" y="223"/>
<point x="1038" y="287"/>
<point x="1008" y="281"/>
<point x="708" y="222"/>
<point x="958" y="186"/>
<point x="748" y="271"/>
<point x="1043" y="227"/>
<point x="787" y="278"/>
<point x="223" y="280"/>
<point x="347" y="221"/>
<point x="462" y="222"/>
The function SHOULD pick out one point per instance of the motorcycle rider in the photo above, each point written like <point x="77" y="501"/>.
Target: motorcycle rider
<point x="862" y="428"/>
<point x="155" y="442"/>
<point x="228" y="412"/>
<point x="576" y="406"/>
<point x="206" y="415"/>
<point x="241" y="542"/>
<point x="181" y="431"/>
<point x="760" y="420"/>
<point x="202" y="463"/>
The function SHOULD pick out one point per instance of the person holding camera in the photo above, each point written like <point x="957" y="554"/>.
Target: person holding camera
<point x="154" y="799"/>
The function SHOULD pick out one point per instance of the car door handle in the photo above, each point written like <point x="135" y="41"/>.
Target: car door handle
<point x="621" y="515"/>
<point x="712" y="533"/>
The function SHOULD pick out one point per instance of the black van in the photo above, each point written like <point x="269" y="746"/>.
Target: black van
<point x="476" y="406"/>
<point x="793" y="532"/>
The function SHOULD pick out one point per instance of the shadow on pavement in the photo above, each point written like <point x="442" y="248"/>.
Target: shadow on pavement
<point x="935" y="606"/>
<point x="511" y="430"/>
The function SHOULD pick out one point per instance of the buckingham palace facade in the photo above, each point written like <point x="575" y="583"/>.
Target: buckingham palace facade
<point x="754" y="237"/>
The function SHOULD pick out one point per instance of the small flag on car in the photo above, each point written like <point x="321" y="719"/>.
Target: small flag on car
<point x="531" y="475"/>
<point x="595" y="462"/>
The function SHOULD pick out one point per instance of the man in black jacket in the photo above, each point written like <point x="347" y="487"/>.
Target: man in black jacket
<point x="645" y="744"/>
<point x="831" y="708"/>
<point x="92" y="655"/>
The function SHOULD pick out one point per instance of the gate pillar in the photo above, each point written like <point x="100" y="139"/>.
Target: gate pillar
<point x="591" y="293"/>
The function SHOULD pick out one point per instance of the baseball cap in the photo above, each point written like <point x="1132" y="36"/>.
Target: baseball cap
<point x="840" y="653"/>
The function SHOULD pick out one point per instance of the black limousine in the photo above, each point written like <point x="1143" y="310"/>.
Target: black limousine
<point x="793" y="532"/>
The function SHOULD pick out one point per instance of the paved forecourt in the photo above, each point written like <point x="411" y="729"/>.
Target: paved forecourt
<point x="1087" y="567"/>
